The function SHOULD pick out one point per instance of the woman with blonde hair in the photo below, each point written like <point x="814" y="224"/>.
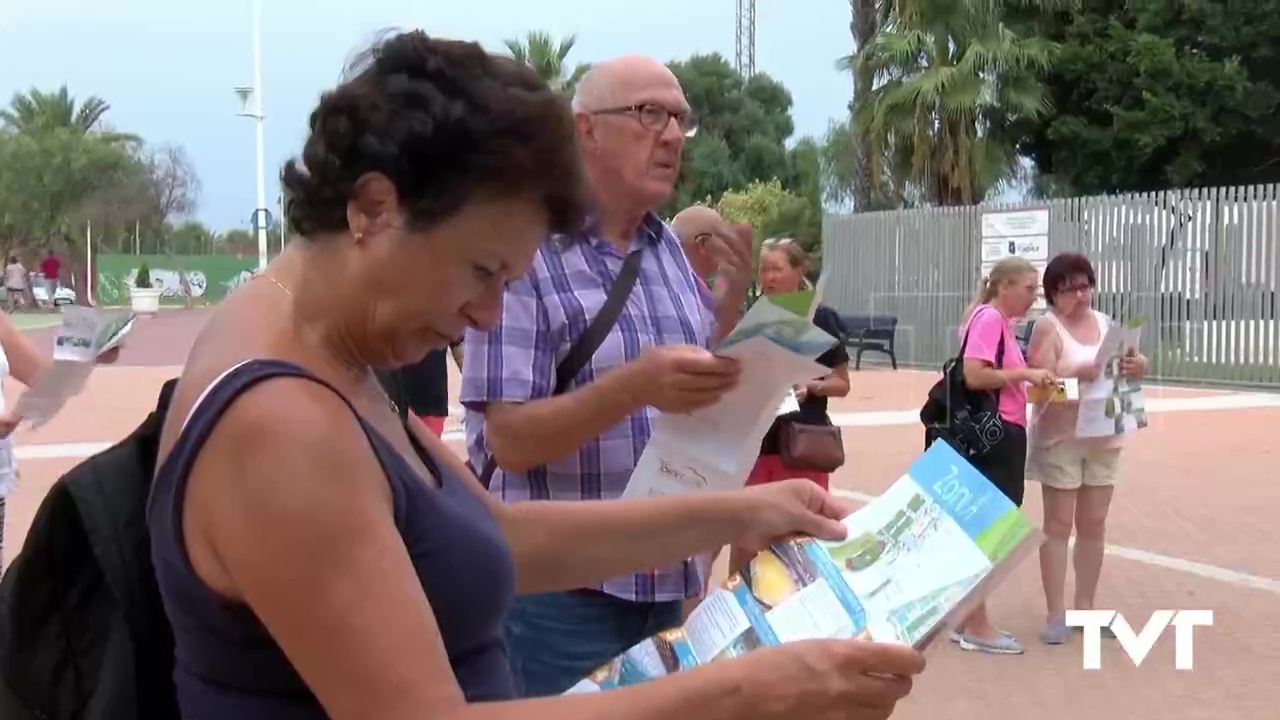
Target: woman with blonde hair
<point x="1077" y="475"/>
<point x="1004" y="296"/>
<point x="783" y="268"/>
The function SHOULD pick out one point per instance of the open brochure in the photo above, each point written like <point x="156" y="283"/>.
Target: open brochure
<point x="1113" y="404"/>
<point x="715" y="448"/>
<point x="85" y="334"/>
<point x="914" y="563"/>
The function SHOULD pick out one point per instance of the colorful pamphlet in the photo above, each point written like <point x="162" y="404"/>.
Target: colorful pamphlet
<point x="85" y="334"/>
<point x="1113" y="404"/>
<point x="714" y="448"/>
<point x="914" y="562"/>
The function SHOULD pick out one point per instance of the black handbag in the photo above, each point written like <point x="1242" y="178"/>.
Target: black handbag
<point x="966" y="419"/>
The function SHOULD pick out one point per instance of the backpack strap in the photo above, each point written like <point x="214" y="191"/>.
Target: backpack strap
<point x="586" y="345"/>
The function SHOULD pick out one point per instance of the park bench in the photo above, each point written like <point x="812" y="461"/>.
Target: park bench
<point x="876" y="333"/>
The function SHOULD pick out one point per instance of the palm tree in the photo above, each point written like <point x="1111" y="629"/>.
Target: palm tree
<point x="547" y="57"/>
<point x="864" y="22"/>
<point x="950" y="81"/>
<point x="38" y="111"/>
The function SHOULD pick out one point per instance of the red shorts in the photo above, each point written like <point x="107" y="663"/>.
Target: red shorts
<point x="769" y="468"/>
<point x="435" y="423"/>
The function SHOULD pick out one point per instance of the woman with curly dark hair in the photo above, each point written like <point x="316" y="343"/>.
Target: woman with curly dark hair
<point x="319" y="558"/>
<point x="1077" y="475"/>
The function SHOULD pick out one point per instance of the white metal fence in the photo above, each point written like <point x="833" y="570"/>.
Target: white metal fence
<point x="1200" y="264"/>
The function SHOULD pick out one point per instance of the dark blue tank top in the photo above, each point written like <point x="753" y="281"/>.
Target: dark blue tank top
<point x="226" y="663"/>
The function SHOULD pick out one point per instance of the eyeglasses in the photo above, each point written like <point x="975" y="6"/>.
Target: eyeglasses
<point x="655" y="117"/>
<point x="1075" y="288"/>
<point x="777" y="242"/>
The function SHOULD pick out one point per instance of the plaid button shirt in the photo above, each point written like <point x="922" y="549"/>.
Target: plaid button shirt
<point x="543" y="314"/>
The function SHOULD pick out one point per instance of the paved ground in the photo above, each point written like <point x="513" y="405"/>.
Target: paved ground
<point x="1192" y="527"/>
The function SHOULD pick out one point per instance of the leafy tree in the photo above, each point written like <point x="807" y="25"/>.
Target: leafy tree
<point x="548" y="56"/>
<point x="46" y="176"/>
<point x="774" y="212"/>
<point x="951" y="80"/>
<point x="1158" y="95"/>
<point x="61" y="168"/>
<point x="742" y="136"/>
<point x="845" y="176"/>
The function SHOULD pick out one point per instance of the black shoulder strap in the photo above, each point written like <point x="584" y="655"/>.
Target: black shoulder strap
<point x="580" y="354"/>
<point x="964" y="342"/>
<point x="999" y="352"/>
<point x="586" y="345"/>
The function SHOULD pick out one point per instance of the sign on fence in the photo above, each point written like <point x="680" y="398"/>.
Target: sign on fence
<point x="1022" y="233"/>
<point x="210" y="277"/>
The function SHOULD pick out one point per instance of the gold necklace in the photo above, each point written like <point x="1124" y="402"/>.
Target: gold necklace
<point x="386" y="396"/>
<point x="276" y="282"/>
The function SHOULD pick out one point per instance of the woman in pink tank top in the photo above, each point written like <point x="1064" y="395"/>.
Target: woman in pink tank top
<point x="1006" y="294"/>
<point x="1077" y="475"/>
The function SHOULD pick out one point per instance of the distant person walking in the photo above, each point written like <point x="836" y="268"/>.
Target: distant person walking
<point x="15" y="284"/>
<point x="51" y="268"/>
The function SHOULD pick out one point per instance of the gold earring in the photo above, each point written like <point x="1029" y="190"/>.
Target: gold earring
<point x="359" y="237"/>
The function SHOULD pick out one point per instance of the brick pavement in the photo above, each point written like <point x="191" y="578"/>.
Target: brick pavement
<point x="1196" y="486"/>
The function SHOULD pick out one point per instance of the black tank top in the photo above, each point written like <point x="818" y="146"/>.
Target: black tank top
<point x="226" y="663"/>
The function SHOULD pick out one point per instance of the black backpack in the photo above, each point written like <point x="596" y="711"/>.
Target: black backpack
<point x="83" y="633"/>
<point x="966" y="419"/>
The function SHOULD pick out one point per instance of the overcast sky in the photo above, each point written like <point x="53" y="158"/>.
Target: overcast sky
<point x="168" y="67"/>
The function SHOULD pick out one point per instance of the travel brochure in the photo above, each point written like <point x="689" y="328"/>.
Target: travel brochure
<point x="776" y="344"/>
<point x="913" y="563"/>
<point x="1113" y="404"/>
<point x="85" y="334"/>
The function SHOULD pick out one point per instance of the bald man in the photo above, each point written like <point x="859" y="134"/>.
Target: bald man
<point x="580" y="442"/>
<point x="697" y="226"/>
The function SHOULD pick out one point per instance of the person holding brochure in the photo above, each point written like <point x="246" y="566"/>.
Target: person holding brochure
<point x="317" y="556"/>
<point x="22" y="361"/>
<point x="608" y="327"/>
<point x="783" y="268"/>
<point x="1077" y="475"/>
<point x="993" y="361"/>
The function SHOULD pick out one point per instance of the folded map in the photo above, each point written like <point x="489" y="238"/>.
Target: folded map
<point x="914" y="562"/>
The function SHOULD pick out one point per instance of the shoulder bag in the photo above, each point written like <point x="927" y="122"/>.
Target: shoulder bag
<point x="581" y="351"/>
<point x="968" y="420"/>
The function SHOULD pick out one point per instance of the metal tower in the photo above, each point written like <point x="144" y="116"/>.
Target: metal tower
<point x="745" y="48"/>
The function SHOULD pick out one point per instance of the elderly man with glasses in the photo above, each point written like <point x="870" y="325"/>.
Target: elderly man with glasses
<point x="532" y="437"/>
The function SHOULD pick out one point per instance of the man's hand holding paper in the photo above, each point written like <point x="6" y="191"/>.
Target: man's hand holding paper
<point x="684" y="378"/>
<point x="711" y="432"/>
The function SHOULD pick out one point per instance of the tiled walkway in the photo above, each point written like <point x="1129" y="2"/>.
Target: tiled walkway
<point x="1193" y="526"/>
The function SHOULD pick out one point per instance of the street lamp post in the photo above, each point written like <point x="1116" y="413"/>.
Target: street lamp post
<point x="251" y="107"/>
